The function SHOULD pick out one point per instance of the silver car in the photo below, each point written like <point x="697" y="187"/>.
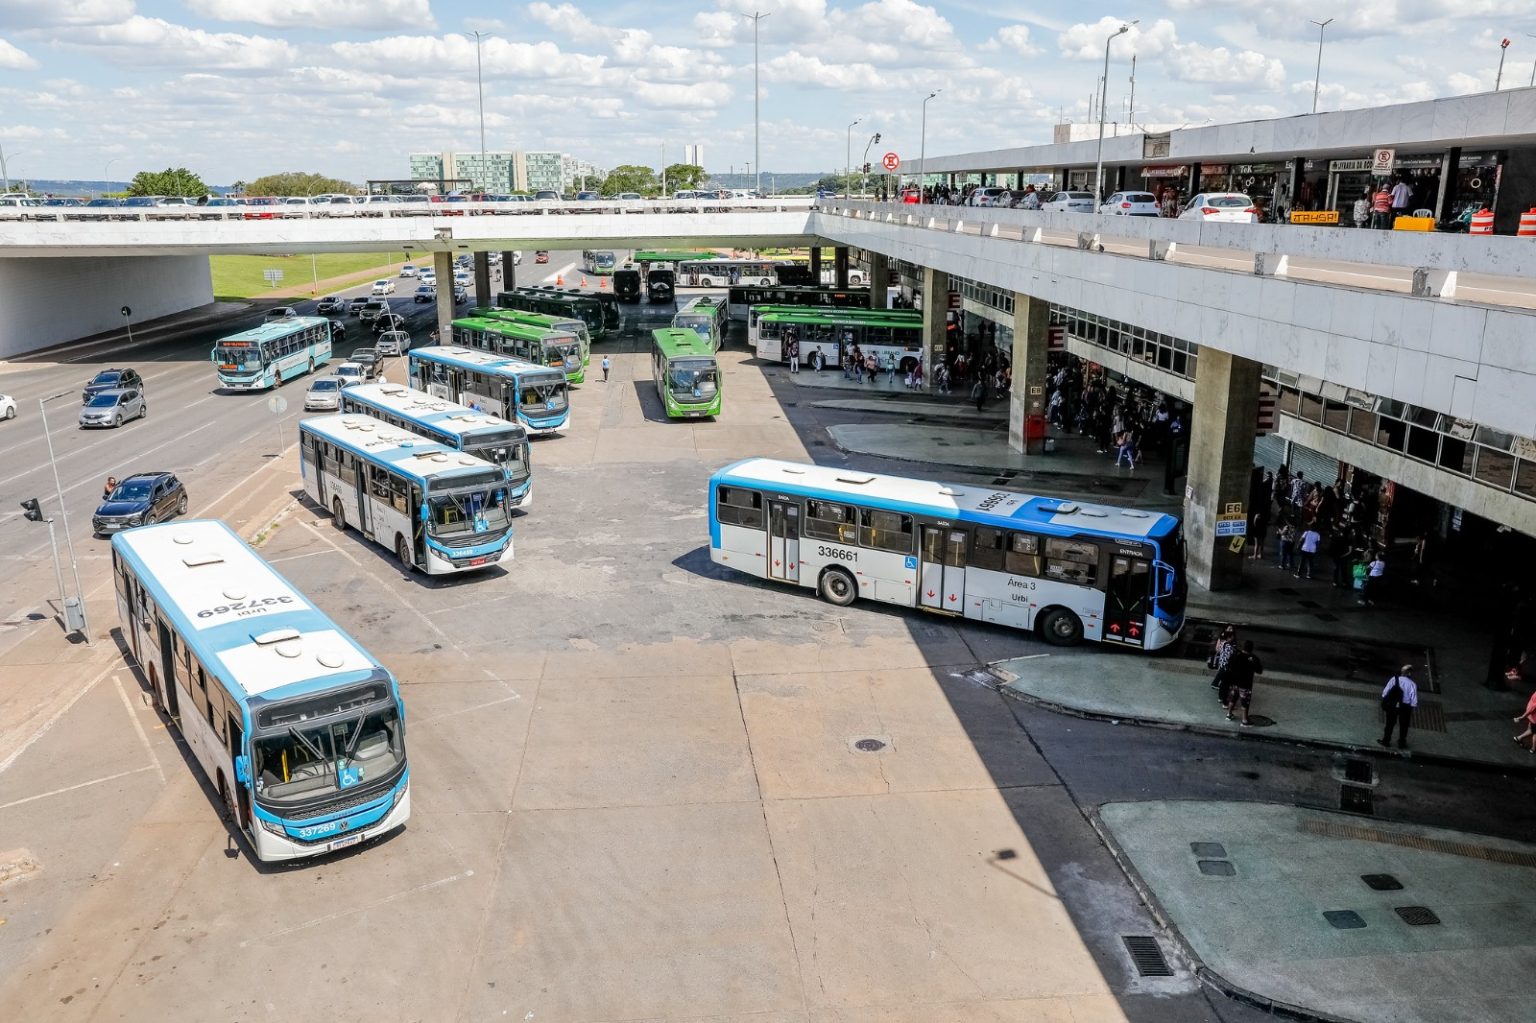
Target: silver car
<point x="324" y="394"/>
<point x="393" y="342"/>
<point x="111" y="407"/>
<point x="1070" y="202"/>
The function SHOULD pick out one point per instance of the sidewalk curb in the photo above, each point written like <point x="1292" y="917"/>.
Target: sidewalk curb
<point x="1203" y="973"/>
<point x="148" y="335"/>
<point x="1434" y="759"/>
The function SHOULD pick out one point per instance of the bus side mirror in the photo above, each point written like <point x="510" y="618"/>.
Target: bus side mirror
<point x="1164" y="579"/>
<point x="243" y="770"/>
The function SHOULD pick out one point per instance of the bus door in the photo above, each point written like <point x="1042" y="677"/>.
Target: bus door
<point x="784" y="541"/>
<point x="941" y="574"/>
<point x="236" y="736"/>
<point x="1125" y="600"/>
<point x="364" y="473"/>
<point x="167" y="669"/>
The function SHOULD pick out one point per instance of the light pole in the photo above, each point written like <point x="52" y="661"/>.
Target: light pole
<point x="107" y="169"/>
<point x="1098" y="177"/>
<point x="1533" y="63"/>
<point x="69" y="540"/>
<point x="1503" y="49"/>
<point x="757" y="151"/>
<point x="864" y="163"/>
<point x="922" y="146"/>
<point x="1317" y="82"/>
<point x="848" y="159"/>
<point x="4" y="171"/>
<point x="480" y="88"/>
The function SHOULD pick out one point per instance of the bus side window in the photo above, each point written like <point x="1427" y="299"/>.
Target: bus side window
<point x="397" y="493"/>
<point x="378" y="483"/>
<point x="1023" y="555"/>
<point x="825" y="520"/>
<point x="1073" y="561"/>
<point x="885" y="531"/>
<point x="737" y="506"/>
<point x="987" y="549"/>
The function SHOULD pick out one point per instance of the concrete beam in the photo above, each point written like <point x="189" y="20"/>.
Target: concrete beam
<point x="1220" y="462"/>
<point x="442" y="266"/>
<point x="1026" y="399"/>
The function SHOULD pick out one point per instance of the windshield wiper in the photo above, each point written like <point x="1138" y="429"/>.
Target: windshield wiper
<point x="306" y="743"/>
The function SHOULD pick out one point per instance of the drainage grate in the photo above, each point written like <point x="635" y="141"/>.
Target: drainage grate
<point x="1217" y="868"/>
<point x="1428" y="716"/>
<point x="1355" y="799"/>
<point x="1344" y="919"/>
<point x="869" y="745"/>
<point x="1417" y="916"/>
<point x="1146" y="955"/>
<point x="1382" y="882"/>
<point x="1361" y="772"/>
<point x="1212" y="849"/>
<point x="1366" y="833"/>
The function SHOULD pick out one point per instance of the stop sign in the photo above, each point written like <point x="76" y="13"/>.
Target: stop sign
<point x="891" y="161"/>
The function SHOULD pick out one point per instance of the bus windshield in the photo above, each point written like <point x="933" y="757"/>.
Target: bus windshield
<point x="300" y="762"/>
<point x="603" y="259"/>
<point x="692" y="379"/>
<point x="467" y="513"/>
<point x="504" y="449"/>
<point x="563" y="353"/>
<point x="698" y="324"/>
<point x="246" y="358"/>
<point x="546" y="395"/>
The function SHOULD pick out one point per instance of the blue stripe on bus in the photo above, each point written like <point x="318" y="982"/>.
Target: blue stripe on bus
<point x="357" y="818"/>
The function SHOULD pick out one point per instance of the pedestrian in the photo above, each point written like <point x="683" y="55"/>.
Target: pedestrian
<point x="1222" y="649"/>
<point x="1527" y="738"/>
<point x="1286" y="539"/>
<point x="1125" y="449"/>
<point x="433" y="336"/>
<point x="917" y="376"/>
<point x="1338" y="550"/>
<point x="605" y="369"/>
<point x="1259" y="528"/>
<point x="1375" y="571"/>
<point x="890" y="367"/>
<point x="1311" y="539"/>
<point x="979" y="393"/>
<point x="1398" y="699"/>
<point x="1362" y="209"/>
<point x="1402" y="198"/>
<point x="1240" y="673"/>
<point x="794" y="356"/>
<point x="1420" y="566"/>
<point x="1381" y="208"/>
<point x="108" y="487"/>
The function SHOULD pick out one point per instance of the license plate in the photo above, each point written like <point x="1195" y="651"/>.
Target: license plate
<point x="342" y="843"/>
<point x="478" y="561"/>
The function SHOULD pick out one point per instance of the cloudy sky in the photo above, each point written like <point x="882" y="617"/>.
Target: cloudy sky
<point x="235" y="89"/>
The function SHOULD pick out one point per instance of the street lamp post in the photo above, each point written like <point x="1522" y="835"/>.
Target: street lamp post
<point x="1098" y="177"/>
<point x="1499" y="78"/>
<point x="107" y="169"/>
<point x="480" y="88"/>
<point x="69" y="540"/>
<point x="1317" y="82"/>
<point x="864" y="163"/>
<point x="757" y="145"/>
<point x="848" y="159"/>
<point x="4" y="171"/>
<point x="1533" y="63"/>
<point x="922" y="146"/>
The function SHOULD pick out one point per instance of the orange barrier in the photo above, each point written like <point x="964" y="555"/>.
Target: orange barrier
<point x="1482" y="222"/>
<point x="602" y="284"/>
<point x="560" y="280"/>
<point x="1527" y="224"/>
<point x="583" y="280"/>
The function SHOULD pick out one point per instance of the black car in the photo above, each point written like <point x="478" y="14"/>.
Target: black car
<point x="110" y="379"/>
<point x="338" y="331"/>
<point x="389" y="321"/>
<point x="139" y="500"/>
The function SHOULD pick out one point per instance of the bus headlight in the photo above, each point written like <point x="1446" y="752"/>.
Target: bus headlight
<point x="272" y="826"/>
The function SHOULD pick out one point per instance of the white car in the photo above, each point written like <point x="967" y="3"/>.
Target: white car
<point x="1223" y="207"/>
<point x="408" y="270"/>
<point x="350" y="373"/>
<point x="324" y="394"/>
<point x="7" y="407"/>
<point x="384" y="287"/>
<point x="393" y="342"/>
<point x="1131" y="204"/>
<point x="1070" y="202"/>
<point x="989" y="196"/>
<point x="428" y="277"/>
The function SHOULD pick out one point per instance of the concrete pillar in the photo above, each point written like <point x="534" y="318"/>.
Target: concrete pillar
<point x="840" y="267"/>
<point x="442" y="265"/>
<point x="1194" y="181"/>
<point x="816" y="265"/>
<point x="935" y="319"/>
<point x="1031" y="327"/>
<point x="879" y="280"/>
<point x="483" y="294"/>
<point x="1220" y="463"/>
<point x="1450" y="164"/>
<point x="508" y="272"/>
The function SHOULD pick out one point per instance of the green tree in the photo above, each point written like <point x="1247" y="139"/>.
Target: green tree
<point x="630" y="177"/>
<point x="171" y="181"/>
<point x="684" y="177"/>
<point x="297" y="183"/>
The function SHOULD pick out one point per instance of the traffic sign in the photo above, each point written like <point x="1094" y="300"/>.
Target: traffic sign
<point x="1382" y="162"/>
<point x="1232" y="525"/>
<point x="890" y="161"/>
<point x="272" y="277"/>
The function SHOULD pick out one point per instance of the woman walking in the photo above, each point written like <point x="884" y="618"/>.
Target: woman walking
<point x="1527" y="738"/>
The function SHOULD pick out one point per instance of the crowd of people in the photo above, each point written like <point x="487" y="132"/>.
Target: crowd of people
<point x="1127" y="421"/>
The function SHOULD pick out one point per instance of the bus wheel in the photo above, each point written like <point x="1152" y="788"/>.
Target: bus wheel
<point x="403" y="552"/>
<point x="837" y="587"/>
<point x="311" y="363"/>
<point x="338" y="515"/>
<point x="706" y="282"/>
<point x="1060" y="627"/>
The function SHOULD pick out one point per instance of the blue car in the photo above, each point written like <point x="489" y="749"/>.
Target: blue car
<point x="139" y="500"/>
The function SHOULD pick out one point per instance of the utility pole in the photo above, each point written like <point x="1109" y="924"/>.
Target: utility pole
<point x="848" y="160"/>
<point x="1098" y="178"/>
<point x="1317" y="81"/>
<point x="1130" y="110"/>
<point x="757" y="148"/>
<point x="73" y="613"/>
<point x="480" y="88"/>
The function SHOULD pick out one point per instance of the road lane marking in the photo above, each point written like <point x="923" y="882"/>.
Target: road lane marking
<point x="81" y="785"/>
<point x="339" y="914"/>
<point x="138" y="726"/>
<point x="52" y="720"/>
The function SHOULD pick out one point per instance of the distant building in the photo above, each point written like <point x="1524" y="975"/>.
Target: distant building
<point x="507" y="171"/>
<point x="693" y="155"/>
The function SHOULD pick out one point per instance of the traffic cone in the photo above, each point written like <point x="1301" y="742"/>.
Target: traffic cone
<point x="583" y="280"/>
<point x="560" y="280"/>
<point x="602" y="284"/>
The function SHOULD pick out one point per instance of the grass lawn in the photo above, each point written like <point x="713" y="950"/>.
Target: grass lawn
<point x="237" y="277"/>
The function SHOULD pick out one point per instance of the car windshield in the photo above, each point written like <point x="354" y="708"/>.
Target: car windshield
<point x="475" y="511"/>
<point x="692" y="380"/>
<point x="301" y="762"/>
<point x="132" y="490"/>
<point x="106" y="400"/>
<point x="104" y="379"/>
<point x="325" y="384"/>
<point x="1226" y="201"/>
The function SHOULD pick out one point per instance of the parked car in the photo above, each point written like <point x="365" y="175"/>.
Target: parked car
<point x="355" y="306"/>
<point x="393" y="342"/>
<point x="1222" y="207"/>
<point x="108" y="379"/>
<point x="1131" y="204"/>
<point x="282" y="312"/>
<point x="1070" y="202"/>
<point x="140" y="499"/>
<point x="350" y="373"/>
<point x="324" y="394"/>
<point x="113" y="406"/>
<point x="97" y="209"/>
<point x="990" y="195"/>
<point x="217" y="208"/>
<point x="372" y="309"/>
<point x="389" y="321"/>
<point x="384" y="286"/>
<point x="546" y="195"/>
<point x="408" y="270"/>
<point x="7" y="407"/>
<point x="425" y="293"/>
<point x="331" y="304"/>
<point x="540" y="256"/>
<point x="368" y="358"/>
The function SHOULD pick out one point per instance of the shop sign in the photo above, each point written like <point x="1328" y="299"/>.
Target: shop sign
<point x="1154" y="147"/>
<point x="1257" y="168"/>
<point x="1208" y="170"/>
<point x="1417" y="162"/>
<point x="1314" y="216"/>
<point x="1349" y="166"/>
<point x="1163" y="172"/>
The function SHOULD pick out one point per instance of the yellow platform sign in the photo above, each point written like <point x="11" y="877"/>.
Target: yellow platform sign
<point x="1314" y="216"/>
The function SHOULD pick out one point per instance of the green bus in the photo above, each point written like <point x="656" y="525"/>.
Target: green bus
<point x="613" y="313"/>
<point x="554" y="303"/>
<point x="526" y="342"/>
<point x="706" y="317"/>
<point x="670" y="256"/>
<point x="560" y="324"/>
<point x="687" y="375"/>
<point x="826" y="335"/>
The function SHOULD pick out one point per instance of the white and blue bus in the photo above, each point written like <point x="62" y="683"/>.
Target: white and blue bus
<point x="297" y="727"/>
<point x="1065" y="570"/>
<point x="480" y="434"/>
<point x="536" y="396"/>
<point x="437" y="509"/>
<point x="265" y="356"/>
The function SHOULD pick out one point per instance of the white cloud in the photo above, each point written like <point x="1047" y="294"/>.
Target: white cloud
<point x="438" y="55"/>
<point x="1245" y="69"/>
<point x="51" y="13"/>
<point x="1086" y="41"/>
<point x="368" y="14"/>
<point x="14" y="59"/>
<point x="153" y="42"/>
<point x="804" y="69"/>
<point x="570" y="21"/>
<point x="1012" y="39"/>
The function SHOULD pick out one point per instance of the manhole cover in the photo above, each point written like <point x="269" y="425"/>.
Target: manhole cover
<point x="1355" y="799"/>
<point x="1146" y="955"/>
<point x="1359" y="771"/>
<point x="1211" y="849"/>
<point x="1344" y="919"/>
<point x="869" y="745"/>
<point x="1382" y="882"/>
<point x="1417" y="916"/>
<point x="1217" y="868"/>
